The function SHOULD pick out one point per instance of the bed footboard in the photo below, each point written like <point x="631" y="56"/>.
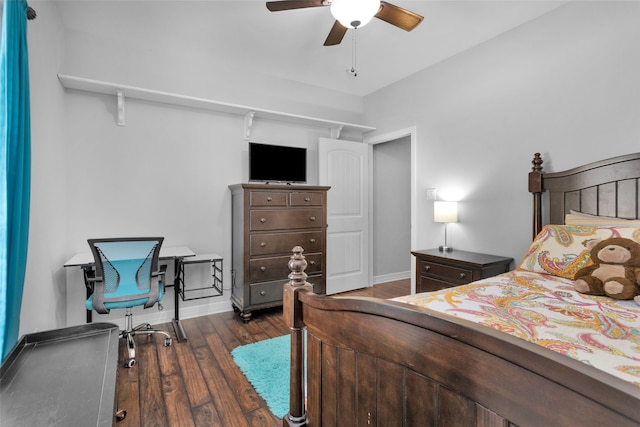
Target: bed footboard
<point x="379" y="362"/>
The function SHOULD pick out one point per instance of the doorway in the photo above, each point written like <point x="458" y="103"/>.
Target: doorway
<point x="391" y="187"/>
<point x="406" y="185"/>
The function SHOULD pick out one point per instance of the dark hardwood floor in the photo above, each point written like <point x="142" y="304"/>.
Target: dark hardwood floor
<point x="196" y="383"/>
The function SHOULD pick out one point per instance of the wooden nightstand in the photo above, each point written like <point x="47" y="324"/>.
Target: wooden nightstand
<point x="438" y="270"/>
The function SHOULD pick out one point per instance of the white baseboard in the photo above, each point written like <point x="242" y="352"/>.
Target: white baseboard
<point x="391" y="277"/>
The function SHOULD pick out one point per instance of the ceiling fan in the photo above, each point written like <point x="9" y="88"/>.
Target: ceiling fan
<point x="353" y="14"/>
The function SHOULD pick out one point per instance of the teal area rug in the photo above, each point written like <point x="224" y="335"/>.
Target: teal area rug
<point x="266" y="366"/>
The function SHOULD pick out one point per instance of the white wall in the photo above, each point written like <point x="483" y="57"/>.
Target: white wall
<point x="565" y="85"/>
<point x="149" y="45"/>
<point x="165" y="173"/>
<point x="44" y="295"/>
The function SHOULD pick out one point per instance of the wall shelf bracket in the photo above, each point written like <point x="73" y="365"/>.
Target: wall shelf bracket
<point x="137" y="93"/>
<point x="335" y="131"/>
<point x="120" y="98"/>
<point x="248" y="122"/>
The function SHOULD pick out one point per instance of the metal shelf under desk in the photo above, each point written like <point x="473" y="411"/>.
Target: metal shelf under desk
<point x="212" y="289"/>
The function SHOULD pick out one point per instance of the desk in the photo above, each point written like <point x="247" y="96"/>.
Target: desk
<point x="85" y="261"/>
<point x="63" y="377"/>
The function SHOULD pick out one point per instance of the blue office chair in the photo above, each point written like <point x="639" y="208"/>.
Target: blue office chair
<point x="127" y="275"/>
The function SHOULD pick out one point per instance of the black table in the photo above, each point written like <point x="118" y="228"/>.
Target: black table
<point x="85" y="261"/>
<point x="63" y="377"/>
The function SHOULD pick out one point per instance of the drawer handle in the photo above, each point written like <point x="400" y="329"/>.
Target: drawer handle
<point x="312" y="218"/>
<point x="263" y="244"/>
<point x="312" y="263"/>
<point x="262" y="293"/>
<point x="427" y="267"/>
<point x="263" y="268"/>
<point x="312" y="240"/>
<point x="269" y="199"/>
<point x="462" y="275"/>
<point x="263" y="220"/>
<point x="307" y="199"/>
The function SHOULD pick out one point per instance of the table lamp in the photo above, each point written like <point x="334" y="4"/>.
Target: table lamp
<point x="445" y="212"/>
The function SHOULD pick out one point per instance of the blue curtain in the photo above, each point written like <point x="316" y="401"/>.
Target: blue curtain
<point x="15" y="168"/>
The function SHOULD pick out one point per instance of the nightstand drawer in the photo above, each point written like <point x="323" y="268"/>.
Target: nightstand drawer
<point x="446" y="272"/>
<point x="430" y="284"/>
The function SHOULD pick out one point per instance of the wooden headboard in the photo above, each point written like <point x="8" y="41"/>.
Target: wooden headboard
<point x="608" y="188"/>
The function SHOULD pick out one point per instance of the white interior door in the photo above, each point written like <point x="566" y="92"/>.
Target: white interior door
<point x="344" y="165"/>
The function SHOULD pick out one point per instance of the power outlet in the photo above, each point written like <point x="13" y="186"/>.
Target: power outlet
<point x="431" y="193"/>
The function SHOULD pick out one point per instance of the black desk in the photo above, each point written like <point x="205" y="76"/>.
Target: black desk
<point x="85" y="261"/>
<point x="64" y="377"/>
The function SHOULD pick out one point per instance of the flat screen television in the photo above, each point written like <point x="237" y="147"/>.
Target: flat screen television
<point x="277" y="163"/>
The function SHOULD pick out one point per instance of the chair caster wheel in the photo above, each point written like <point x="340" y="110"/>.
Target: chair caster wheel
<point x="129" y="363"/>
<point x="167" y="342"/>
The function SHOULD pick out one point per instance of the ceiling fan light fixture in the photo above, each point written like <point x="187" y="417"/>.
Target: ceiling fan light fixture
<point x="354" y="13"/>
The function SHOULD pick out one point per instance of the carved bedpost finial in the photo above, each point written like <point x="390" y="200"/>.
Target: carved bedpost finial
<point x="537" y="163"/>
<point x="297" y="264"/>
<point x="536" y="187"/>
<point x="292" y="315"/>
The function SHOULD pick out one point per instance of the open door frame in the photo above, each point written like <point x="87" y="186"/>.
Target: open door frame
<point x="386" y="137"/>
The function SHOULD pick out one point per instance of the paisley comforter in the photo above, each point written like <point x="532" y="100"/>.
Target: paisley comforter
<point x="545" y="310"/>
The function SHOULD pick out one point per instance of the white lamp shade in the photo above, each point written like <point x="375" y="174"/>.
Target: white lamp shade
<point x="445" y="211"/>
<point x="360" y="12"/>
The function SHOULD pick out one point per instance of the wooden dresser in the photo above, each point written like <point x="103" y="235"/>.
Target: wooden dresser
<point x="267" y="222"/>
<point x="437" y="270"/>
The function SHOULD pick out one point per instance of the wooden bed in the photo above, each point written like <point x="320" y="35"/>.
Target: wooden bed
<point x="384" y="363"/>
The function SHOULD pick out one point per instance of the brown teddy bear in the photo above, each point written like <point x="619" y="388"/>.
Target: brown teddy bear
<point x="615" y="271"/>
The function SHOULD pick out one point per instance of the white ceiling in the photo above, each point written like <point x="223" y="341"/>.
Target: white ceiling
<point x="288" y="44"/>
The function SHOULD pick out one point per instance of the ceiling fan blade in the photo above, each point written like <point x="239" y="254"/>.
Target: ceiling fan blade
<point x="336" y="34"/>
<point x="398" y="16"/>
<point x="276" y="6"/>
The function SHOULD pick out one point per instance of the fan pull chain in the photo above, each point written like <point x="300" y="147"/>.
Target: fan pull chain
<point x="354" y="70"/>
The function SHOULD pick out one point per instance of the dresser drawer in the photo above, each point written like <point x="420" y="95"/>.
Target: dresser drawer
<point x="448" y="273"/>
<point x="271" y="292"/>
<point x="265" y="269"/>
<point x="263" y="293"/>
<point x="307" y="199"/>
<point x="267" y="198"/>
<point x="262" y="219"/>
<point x="282" y="243"/>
